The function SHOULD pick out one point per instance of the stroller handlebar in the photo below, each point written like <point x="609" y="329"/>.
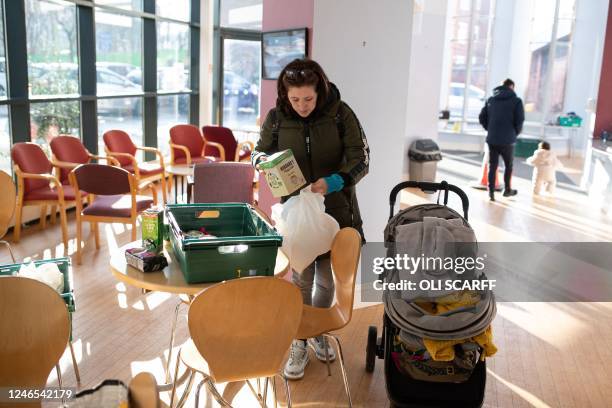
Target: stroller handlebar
<point x="431" y="188"/>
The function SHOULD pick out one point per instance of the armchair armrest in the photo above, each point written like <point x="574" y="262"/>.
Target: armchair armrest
<point x="240" y="147"/>
<point x="180" y="147"/>
<point x="45" y="176"/>
<point x="64" y="165"/>
<point x="153" y="150"/>
<point x="216" y="145"/>
<point x="109" y="160"/>
<point x="129" y="156"/>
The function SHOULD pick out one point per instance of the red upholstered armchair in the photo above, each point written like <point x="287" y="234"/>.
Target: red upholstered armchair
<point x="69" y="152"/>
<point x="37" y="186"/>
<point x="115" y="198"/>
<point x="231" y="150"/>
<point x="118" y="144"/>
<point x="187" y="145"/>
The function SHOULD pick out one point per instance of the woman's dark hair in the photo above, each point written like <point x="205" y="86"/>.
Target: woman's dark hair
<point x="508" y="83"/>
<point x="545" y="145"/>
<point x="298" y="73"/>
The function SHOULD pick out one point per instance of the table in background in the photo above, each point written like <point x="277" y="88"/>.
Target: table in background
<point x="180" y="171"/>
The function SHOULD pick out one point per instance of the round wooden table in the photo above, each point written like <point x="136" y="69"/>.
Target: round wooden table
<point x="171" y="278"/>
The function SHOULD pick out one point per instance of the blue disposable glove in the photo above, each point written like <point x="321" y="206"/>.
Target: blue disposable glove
<point x="334" y="183"/>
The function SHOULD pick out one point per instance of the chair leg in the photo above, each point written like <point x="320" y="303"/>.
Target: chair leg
<point x="326" y="356"/>
<point x="169" y="184"/>
<point x="164" y="192"/>
<point x="43" y="216"/>
<point x="213" y="390"/>
<point x="53" y="214"/>
<point x="187" y="390"/>
<point x="176" y="312"/>
<point x="287" y="391"/>
<point x="198" y="389"/>
<point x="64" y="223"/>
<point x="134" y="230"/>
<point x="344" y="376"/>
<point x="77" y="374"/>
<point x="176" y="369"/>
<point x="10" y="250"/>
<point x="17" y="229"/>
<point x="59" y="375"/>
<point x="274" y="391"/>
<point x="96" y="231"/>
<point x="78" y="239"/>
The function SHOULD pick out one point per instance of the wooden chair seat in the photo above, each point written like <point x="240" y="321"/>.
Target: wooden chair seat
<point x="117" y="205"/>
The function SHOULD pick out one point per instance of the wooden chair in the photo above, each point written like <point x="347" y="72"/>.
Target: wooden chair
<point x="114" y="198"/>
<point x="69" y="152"/>
<point x="37" y="186"/>
<point x="223" y="182"/>
<point x="230" y="149"/>
<point x="34" y="331"/>
<point x="143" y="391"/>
<point x="345" y="252"/>
<point x="118" y="144"/>
<point x="187" y="146"/>
<point x="240" y="329"/>
<point x="7" y="207"/>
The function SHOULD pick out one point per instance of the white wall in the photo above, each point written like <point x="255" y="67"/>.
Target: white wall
<point x="586" y="54"/>
<point x="427" y="61"/>
<point x="364" y="46"/>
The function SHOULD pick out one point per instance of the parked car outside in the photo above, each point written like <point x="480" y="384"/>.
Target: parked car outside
<point x="475" y="95"/>
<point x="245" y="93"/>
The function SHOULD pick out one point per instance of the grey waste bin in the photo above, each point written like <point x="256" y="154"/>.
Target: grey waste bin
<point x="424" y="155"/>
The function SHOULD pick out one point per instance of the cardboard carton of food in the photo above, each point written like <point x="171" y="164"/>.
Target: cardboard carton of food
<point x="282" y="173"/>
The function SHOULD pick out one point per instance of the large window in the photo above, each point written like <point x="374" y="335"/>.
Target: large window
<point x="83" y="88"/>
<point x="118" y="54"/>
<point x="241" y="83"/>
<point x="239" y="72"/>
<point x="123" y="114"/>
<point x="550" y="39"/>
<point x="242" y="14"/>
<point x="172" y="57"/>
<point x="471" y="22"/>
<point x="171" y="109"/>
<point x="5" y="141"/>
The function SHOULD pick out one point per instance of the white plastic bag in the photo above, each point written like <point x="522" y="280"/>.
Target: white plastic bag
<point x="47" y="273"/>
<point x="306" y="229"/>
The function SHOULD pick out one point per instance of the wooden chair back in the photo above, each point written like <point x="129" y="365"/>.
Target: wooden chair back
<point x="7" y="202"/>
<point x="34" y="331"/>
<point x="143" y="392"/>
<point x="243" y="327"/>
<point x="345" y="252"/>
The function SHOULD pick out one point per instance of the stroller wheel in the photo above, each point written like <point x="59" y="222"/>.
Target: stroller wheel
<point x="371" y="348"/>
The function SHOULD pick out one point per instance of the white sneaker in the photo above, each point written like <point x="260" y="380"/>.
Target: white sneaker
<point x="317" y="345"/>
<point x="298" y="360"/>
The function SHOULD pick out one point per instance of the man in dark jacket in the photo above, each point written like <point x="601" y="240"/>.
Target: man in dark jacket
<point x="502" y="117"/>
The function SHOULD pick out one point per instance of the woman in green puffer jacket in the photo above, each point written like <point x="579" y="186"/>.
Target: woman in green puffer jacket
<point x="332" y="151"/>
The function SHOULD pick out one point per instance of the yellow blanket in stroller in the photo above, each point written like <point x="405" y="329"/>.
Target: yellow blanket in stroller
<point x="443" y="350"/>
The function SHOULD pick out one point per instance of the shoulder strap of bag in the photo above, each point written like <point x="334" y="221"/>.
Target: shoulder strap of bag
<point x="275" y="128"/>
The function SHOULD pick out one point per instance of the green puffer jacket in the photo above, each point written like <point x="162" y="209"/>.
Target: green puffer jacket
<point x="349" y="156"/>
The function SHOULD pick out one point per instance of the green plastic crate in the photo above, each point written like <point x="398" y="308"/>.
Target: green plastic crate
<point x="570" y="121"/>
<point x="245" y="243"/>
<point x="525" y="147"/>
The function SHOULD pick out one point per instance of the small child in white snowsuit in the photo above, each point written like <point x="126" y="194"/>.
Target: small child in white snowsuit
<point x="544" y="173"/>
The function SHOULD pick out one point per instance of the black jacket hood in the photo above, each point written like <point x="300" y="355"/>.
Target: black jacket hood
<point x="503" y="92"/>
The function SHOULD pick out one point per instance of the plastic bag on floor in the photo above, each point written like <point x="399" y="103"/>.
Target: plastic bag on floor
<point x="306" y="229"/>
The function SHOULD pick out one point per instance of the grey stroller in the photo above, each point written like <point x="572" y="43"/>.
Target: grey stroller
<point x="419" y="381"/>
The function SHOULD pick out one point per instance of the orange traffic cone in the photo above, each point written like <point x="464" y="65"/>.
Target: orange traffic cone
<point x="483" y="183"/>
